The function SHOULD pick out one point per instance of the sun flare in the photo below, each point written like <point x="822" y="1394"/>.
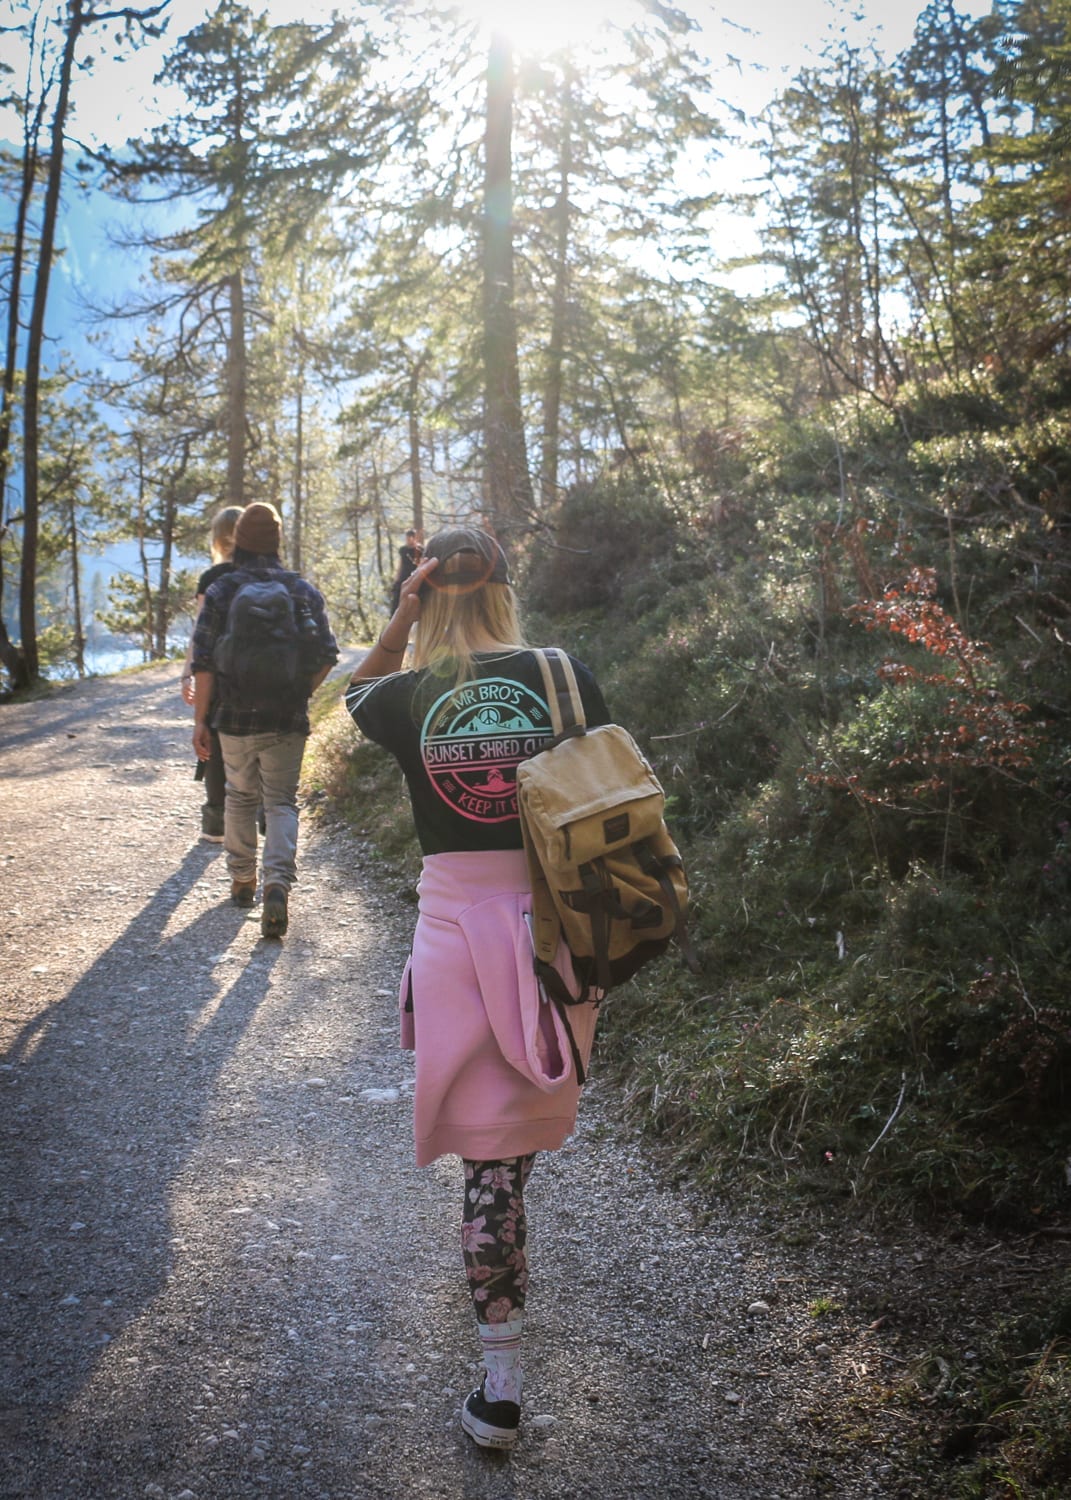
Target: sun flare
<point x="538" y="27"/>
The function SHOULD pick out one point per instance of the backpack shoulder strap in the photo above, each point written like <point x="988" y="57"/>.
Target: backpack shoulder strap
<point x="563" y="694"/>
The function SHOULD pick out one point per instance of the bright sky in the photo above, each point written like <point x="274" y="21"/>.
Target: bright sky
<point x="771" y="39"/>
<point x="755" y="47"/>
<point x="548" y="24"/>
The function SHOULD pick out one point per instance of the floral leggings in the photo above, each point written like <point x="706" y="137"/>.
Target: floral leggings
<point x="493" y="1234"/>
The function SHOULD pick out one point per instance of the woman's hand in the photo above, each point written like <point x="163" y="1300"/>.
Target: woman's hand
<point x="409" y="598"/>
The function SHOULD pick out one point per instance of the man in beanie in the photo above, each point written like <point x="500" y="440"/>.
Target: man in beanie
<point x="257" y="702"/>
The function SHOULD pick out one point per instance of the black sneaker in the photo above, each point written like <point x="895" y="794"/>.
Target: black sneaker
<point x="492" y="1424"/>
<point x="273" y="913"/>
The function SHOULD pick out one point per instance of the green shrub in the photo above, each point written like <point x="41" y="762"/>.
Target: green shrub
<point x="881" y="910"/>
<point x="601" y="539"/>
<point x="1010" y="1429"/>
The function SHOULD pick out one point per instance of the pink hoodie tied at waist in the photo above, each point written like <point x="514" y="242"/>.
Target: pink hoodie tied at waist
<point x="480" y="899"/>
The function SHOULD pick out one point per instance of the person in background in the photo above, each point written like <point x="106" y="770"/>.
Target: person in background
<point x="262" y="745"/>
<point x="496" y="1080"/>
<point x="409" y="554"/>
<point x="210" y="771"/>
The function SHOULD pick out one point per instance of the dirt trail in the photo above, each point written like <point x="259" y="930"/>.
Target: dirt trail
<point x="220" y="1275"/>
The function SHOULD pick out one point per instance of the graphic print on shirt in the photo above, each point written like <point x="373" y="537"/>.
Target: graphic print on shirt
<point x="472" y="740"/>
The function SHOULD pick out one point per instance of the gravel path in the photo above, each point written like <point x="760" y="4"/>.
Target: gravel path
<point x="220" y="1275"/>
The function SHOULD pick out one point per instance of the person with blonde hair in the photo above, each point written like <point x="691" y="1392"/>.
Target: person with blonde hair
<point x="210" y="771"/>
<point x="496" y="1069"/>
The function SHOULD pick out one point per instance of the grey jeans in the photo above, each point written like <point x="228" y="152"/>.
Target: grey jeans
<point x="262" y="770"/>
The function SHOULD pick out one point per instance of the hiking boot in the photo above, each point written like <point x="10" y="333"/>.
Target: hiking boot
<point x="212" y="824"/>
<point x="273" y="915"/>
<point x="243" y="892"/>
<point x="492" y="1424"/>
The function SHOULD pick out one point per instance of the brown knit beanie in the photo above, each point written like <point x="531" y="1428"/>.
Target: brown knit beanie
<point x="259" y="529"/>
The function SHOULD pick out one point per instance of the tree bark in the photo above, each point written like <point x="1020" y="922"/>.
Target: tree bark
<point x="297" y="524"/>
<point x="78" y="17"/>
<point x="167" y="535"/>
<point x="143" y="558"/>
<point x="10" y="654"/>
<point x="356" y="510"/>
<point x="236" y="390"/>
<point x="508" y="498"/>
<point x="35" y="344"/>
<point x="552" y="391"/>
<point x="76" y="587"/>
<point x="12" y="658"/>
<point x="297" y="520"/>
<point x="415" y="477"/>
<point x="163" y="592"/>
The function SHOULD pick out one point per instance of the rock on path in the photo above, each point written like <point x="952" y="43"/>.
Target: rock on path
<point x="220" y="1275"/>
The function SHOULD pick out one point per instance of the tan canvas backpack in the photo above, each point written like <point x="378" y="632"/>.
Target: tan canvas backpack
<point x="606" y="874"/>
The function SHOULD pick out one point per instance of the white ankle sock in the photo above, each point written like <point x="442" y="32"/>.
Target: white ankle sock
<point x="501" y="1343"/>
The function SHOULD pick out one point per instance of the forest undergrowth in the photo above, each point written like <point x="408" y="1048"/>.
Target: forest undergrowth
<point x="855" y="694"/>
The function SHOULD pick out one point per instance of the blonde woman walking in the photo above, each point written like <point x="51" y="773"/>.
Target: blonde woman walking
<point x="496" y="1078"/>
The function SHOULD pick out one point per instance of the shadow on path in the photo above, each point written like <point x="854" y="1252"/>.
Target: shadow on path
<point x="67" y="710"/>
<point x="103" y="1095"/>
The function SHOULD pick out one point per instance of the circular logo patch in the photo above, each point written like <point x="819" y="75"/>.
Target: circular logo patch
<point x="472" y="740"/>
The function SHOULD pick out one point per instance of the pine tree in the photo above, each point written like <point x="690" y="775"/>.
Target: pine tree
<point x="79" y="18"/>
<point x="1019" y="267"/>
<point x="280" y="119"/>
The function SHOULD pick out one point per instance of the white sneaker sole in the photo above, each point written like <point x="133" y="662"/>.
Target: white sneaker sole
<point x="486" y="1435"/>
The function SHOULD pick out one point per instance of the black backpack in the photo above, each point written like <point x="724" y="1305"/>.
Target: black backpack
<point x="266" y="654"/>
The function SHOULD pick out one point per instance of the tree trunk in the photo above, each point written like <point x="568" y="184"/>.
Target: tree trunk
<point x="143" y="558"/>
<point x="415" y="479"/>
<point x="969" y="78"/>
<point x="12" y="658"/>
<point x="356" y="510"/>
<point x="236" y="391"/>
<point x="381" y="532"/>
<point x="508" y="499"/>
<point x="163" y="591"/>
<point x="76" y="588"/>
<point x="10" y="654"/>
<point x="299" y="471"/>
<point x="167" y="530"/>
<point x="552" y="391"/>
<point x="34" y="346"/>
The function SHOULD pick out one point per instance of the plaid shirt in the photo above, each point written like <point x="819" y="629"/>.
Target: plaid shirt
<point x="228" y="718"/>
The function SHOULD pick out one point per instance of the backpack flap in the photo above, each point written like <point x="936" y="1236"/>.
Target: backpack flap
<point x="589" y="795"/>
